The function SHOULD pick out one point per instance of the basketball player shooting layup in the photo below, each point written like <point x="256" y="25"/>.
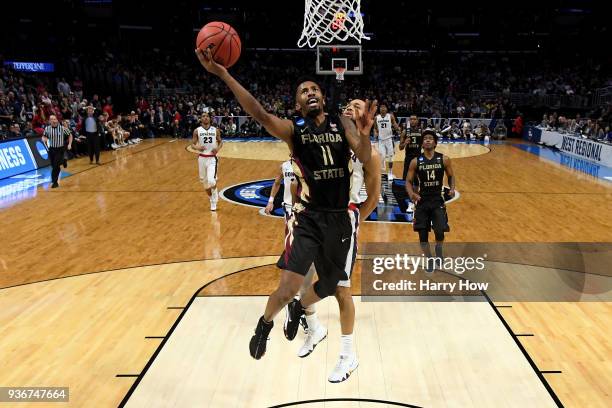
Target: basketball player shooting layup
<point x="207" y="139"/>
<point x="385" y="125"/>
<point x="369" y="174"/>
<point x="430" y="210"/>
<point x="320" y="230"/>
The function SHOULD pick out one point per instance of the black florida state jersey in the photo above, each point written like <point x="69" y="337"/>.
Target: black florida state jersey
<point x="413" y="142"/>
<point x="430" y="174"/>
<point x="322" y="164"/>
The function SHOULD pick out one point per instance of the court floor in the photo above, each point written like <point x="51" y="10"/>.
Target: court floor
<point x="123" y="286"/>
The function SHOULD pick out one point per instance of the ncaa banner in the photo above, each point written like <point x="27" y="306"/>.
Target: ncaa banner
<point x="15" y="158"/>
<point x="587" y="149"/>
<point x="39" y="151"/>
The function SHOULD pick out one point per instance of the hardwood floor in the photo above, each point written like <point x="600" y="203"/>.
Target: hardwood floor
<point x="145" y="206"/>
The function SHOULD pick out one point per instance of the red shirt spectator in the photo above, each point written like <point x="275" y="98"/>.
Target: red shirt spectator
<point x="518" y="125"/>
<point x="108" y="109"/>
<point x="40" y="119"/>
<point x="143" y="105"/>
<point x="77" y="84"/>
<point x="177" y="116"/>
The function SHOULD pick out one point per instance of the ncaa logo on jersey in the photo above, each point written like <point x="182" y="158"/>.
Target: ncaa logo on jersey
<point x="391" y="209"/>
<point x="300" y="122"/>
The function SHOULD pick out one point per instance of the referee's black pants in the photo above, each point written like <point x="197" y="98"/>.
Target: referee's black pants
<point x="93" y="145"/>
<point x="56" y="156"/>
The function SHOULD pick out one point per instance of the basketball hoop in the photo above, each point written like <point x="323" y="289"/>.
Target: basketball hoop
<point x="340" y="73"/>
<point x="331" y="20"/>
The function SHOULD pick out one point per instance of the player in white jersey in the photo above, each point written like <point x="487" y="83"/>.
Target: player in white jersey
<point x="287" y="176"/>
<point x="370" y="174"/>
<point x="383" y="131"/>
<point x="207" y="139"/>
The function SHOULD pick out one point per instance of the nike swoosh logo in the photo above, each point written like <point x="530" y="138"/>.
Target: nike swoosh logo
<point x="344" y="239"/>
<point x="303" y="130"/>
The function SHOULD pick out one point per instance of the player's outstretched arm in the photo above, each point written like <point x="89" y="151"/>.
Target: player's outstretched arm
<point x="358" y="132"/>
<point x="277" y="127"/>
<point x="414" y="197"/>
<point x="371" y="176"/>
<point x="394" y="124"/>
<point x="275" y="188"/>
<point x="450" y="174"/>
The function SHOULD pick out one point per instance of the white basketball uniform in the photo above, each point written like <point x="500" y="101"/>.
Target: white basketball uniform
<point x="288" y="178"/>
<point x="385" y="136"/>
<point x="357" y="180"/>
<point x="207" y="161"/>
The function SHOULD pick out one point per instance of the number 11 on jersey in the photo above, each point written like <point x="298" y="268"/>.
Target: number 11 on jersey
<point x="328" y="159"/>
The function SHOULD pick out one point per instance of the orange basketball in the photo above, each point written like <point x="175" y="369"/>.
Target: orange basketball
<point x="223" y="41"/>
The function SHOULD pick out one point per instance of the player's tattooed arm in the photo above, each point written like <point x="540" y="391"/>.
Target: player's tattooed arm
<point x="358" y="132"/>
<point x="277" y="127"/>
<point x="450" y="175"/>
<point x="355" y="140"/>
<point x="371" y="175"/>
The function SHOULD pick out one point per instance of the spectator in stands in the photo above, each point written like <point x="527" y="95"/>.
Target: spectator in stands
<point x="608" y="132"/>
<point x="95" y="102"/>
<point x="63" y="88"/>
<point x="65" y="109"/>
<point x="517" y="127"/>
<point x="108" y="108"/>
<point x="588" y="129"/>
<point x="500" y="131"/>
<point x="452" y="131"/>
<point x="29" y="131"/>
<point x="40" y="118"/>
<point x="6" y="115"/>
<point x="466" y="130"/>
<point x="482" y="131"/>
<point x="176" y="128"/>
<point x="91" y="130"/>
<point x="105" y="134"/>
<point x="14" y="132"/>
<point x="134" y="126"/>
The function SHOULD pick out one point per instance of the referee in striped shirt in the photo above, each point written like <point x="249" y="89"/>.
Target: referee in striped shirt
<point x="53" y="137"/>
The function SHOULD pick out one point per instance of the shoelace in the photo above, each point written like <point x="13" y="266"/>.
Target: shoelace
<point x="339" y="363"/>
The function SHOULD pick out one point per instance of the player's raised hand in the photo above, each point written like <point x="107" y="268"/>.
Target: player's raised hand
<point x="209" y="63"/>
<point x="364" y="121"/>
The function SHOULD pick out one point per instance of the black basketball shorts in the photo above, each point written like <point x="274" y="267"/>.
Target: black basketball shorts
<point x="329" y="239"/>
<point x="431" y="211"/>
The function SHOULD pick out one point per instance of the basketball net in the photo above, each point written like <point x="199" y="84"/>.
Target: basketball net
<point x="340" y="73"/>
<point x="331" y="20"/>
